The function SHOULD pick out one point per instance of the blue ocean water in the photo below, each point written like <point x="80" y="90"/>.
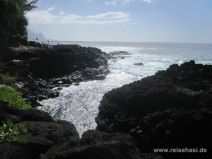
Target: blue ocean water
<point x="79" y="103"/>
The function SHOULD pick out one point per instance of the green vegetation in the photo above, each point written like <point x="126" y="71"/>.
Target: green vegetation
<point x="6" y="79"/>
<point x="10" y="132"/>
<point x="13" y="21"/>
<point x="13" y="97"/>
<point x="13" y="32"/>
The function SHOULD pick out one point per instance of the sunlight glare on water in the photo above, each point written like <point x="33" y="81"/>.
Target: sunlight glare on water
<point x="79" y="103"/>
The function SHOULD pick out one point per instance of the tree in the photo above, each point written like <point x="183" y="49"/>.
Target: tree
<point x="13" y="22"/>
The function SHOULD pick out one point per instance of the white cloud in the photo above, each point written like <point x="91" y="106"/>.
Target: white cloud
<point x="61" y="12"/>
<point x="148" y="1"/>
<point x="112" y="2"/>
<point x="51" y="8"/>
<point x="115" y="2"/>
<point x="48" y="17"/>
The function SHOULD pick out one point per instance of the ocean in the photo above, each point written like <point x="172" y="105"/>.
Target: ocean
<point x="79" y="103"/>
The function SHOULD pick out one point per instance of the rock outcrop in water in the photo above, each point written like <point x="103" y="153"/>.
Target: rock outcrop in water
<point x="115" y="55"/>
<point x="96" y="145"/>
<point x="38" y="70"/>
<point x="50" y="139"/>
<point x="64" y="60"/>
<point x="43" y="132"/>
<point x="46" y="137"/>
<point x="168" y="110"/>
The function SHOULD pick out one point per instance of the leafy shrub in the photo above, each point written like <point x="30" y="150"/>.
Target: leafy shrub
<point x="10" y="132"/>
<point x="13" y="21"/>
<point x="13" y="97"/>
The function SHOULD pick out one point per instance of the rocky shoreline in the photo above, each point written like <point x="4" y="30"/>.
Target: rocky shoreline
<point x="39" y="70"/>
<point x="49" y="139"/>
<point x="167" y="110"/>
<point x="170" y="109"/>
<point x="46" y="137"/>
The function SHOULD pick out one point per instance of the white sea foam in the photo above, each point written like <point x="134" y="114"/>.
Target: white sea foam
<point x="79" y="104"/>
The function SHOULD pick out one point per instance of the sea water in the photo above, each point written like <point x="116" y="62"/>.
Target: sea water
<point x="79" y="103"/>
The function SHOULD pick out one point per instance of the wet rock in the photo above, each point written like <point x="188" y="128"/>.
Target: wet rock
<point x="35" y="115"/>
<point x="43" y="132"/>
<point x="69" y="128"/>
<point x="4" y="116"/>
<point x="139" y="64"/>
<point x="17" y="115"/>
<point x="117" y="53"/>
<point x="64" y="60"/>
<point x="171" y="108"/>
<point x="14" y="151"/>
<point x="95" y="145"/>
<point x="42" y="69"/>
<point x="54" y="132"/>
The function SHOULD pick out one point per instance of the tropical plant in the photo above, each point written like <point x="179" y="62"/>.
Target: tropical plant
<point x="10" y="132"/>
<point x="13" y="21"/>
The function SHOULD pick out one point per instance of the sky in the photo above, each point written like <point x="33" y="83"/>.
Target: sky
<point x="123" y="20"/>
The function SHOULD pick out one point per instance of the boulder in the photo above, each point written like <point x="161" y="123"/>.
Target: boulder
<point x="43" y="132"/>
<point x="118" y="53"/>
<point x="169" y="109"/>
<point x="17" y="115"/>
<point x="39" y="70"/>
<point x="95" y="145"/>
<point x="139" y="64"/>
<point x="17" y="151"/>
<point x="51" y="133"/>
<point x="63" y="60"/>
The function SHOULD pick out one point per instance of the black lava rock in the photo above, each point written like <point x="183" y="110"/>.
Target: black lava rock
<point x="170" y="109"/>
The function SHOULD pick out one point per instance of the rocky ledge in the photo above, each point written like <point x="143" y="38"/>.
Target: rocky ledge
<point x="170" y="109"/>
<point x="50" y="139"/>
<point x="28" y="133"/>
<point x="39" y="70"/>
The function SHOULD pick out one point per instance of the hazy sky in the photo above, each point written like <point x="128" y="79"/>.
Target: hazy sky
<point x="124" y="20"/>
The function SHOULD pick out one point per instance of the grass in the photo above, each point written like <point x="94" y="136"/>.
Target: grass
<point x="13" y="97"/>
<point x="6" y="79"/>
<point x="10" y="132"/>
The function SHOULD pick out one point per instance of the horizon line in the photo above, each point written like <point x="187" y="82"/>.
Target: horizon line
<point x="171" y="42"/>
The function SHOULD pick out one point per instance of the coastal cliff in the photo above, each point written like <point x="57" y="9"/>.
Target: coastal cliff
<point x="167" y="110"/>
<point x="38" y="70"/>
<point x="164" y="116"/>
<point x="26" y="132"/>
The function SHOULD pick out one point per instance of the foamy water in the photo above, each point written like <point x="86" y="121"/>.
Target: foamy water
<point x="79" y="104"/>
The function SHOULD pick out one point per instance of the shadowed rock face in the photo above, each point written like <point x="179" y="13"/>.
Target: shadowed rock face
<point x="171" y="108"/>
<point x="59" y="139"/>
<point x="21" y="151"/>
<point x="49" y="139"/>
<point x="64" y="60"/>
<point x="96" y="145"/>
<point x="16" y="115"/>
<point x="38" y="70"/>
<point x="43" y="132"/>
